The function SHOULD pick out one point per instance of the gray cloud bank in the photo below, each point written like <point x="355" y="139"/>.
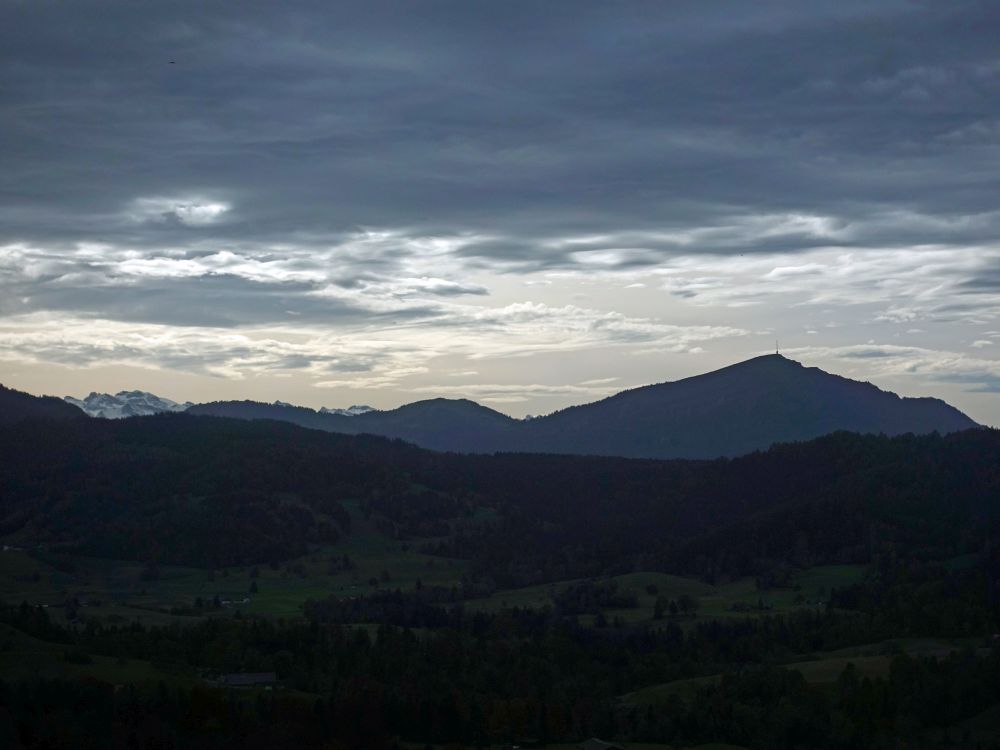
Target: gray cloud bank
<point x="367" y="175"/>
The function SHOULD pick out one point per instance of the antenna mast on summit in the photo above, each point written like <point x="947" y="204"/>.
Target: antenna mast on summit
<point x="776" y="349"/>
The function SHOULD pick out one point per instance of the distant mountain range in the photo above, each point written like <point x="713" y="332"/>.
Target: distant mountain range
<point x="738" y="409"/>
<point x="143" y="404"/>
<point x="351" y="411"/>
<point x="125" y="404"/>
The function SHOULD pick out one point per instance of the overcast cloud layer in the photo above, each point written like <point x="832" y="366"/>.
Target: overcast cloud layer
<point x="529" y="204"/>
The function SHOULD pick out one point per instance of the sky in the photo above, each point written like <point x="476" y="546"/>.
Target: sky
<point x="527" y="204"/>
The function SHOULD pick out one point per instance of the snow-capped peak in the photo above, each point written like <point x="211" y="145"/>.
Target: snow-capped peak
<point x="351" y="411"/>
<point x="125" y="404"/>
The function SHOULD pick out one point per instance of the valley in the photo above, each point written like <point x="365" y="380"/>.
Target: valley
<point x="377" y="594"/>
<point x="565" y="375"/>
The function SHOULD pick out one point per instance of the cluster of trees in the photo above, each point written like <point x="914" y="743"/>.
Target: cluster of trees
<point x="407" y="512"/>
<point x="209" y="491"/>
<point x="490" y="678"/>
<point x="685" y="604"/>
<point x="214" y="492"/>
<point x="922" y="703"/>
<point x="844" y="498"/>
<point x="16" y="406"/>
<point x="201" y="492"/>
<point x="418" y="609"/>
<point x="590" y="597"/>
<point x="914" y="597"/>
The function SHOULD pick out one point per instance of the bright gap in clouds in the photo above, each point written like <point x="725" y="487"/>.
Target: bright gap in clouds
<point x="193" y="212"/>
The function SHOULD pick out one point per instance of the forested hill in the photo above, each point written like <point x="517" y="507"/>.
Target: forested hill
<point x="748" y="406"/>
<point x="17" y="405"/>
<point x="209" y="491"/>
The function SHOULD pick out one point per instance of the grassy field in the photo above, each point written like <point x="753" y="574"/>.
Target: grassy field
<point x="22" y="656"/>
<point x="118" y="591"/>
<point x="820" y="670"/>
<point x="114" y="590"/>
<point x="540" y="596"/>
<point x="810" y="588"/>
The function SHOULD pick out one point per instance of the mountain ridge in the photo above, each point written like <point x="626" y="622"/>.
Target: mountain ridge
<point x="737" y="409"/>
<point x="758" y="402"/>
<point x="134" y="403"/>
<point x="16" y="406"/>
<point x="351" y="411"/>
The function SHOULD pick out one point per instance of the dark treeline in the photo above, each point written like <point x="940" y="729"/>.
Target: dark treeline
<point x="919" y="511"/>
<point x="16" y="406"/>
<point x="201" y="492"/>
<point x="763" y="708"/>
<point x="844" y="498"/>
<point x="208" y="491"/>
<point x="480" y="678"/>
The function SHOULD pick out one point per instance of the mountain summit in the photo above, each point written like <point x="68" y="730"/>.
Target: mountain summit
<point x="744" y="407"/>
<point x="351" y="411"/>
<point x="738" y="409"/>
<point x="125" y="404"/>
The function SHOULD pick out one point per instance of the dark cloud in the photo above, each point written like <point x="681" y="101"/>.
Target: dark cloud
<point x="208" y="300"/>
<point x="377" y="169"/>
<point x="525" y="120"/>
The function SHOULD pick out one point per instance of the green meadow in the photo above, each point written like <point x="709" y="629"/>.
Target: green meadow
<point x="123" y="591"/>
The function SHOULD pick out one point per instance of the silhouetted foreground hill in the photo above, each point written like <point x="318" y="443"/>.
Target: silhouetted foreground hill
<point x="745" y="407"/>
<point x="17" y="405"/>
<point x="917" y="514"/>
<point x="209" y="491"/>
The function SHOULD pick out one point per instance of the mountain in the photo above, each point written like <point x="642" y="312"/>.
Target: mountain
<point x="444" y="424"/>
<point x="738" y="409"/>
<point x="279" y="411"/>
<point x="125" y="404"/>
<point x="441" y="424"/>
<point x="744" y="407"/>
<point x="351" y="411"/>
<point x="16" y="406"/>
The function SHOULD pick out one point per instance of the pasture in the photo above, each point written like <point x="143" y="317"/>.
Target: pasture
<point x="363" y="561"/>
<point x="126" y="591"/>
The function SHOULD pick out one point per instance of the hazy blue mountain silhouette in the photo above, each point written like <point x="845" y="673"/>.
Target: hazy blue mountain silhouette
<point x="16" y="406"/>
<point x="738" y="409"/>
<point x="445" y="424"/>
<point x="735" y="410"/>
<point x="439" y="423"/>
